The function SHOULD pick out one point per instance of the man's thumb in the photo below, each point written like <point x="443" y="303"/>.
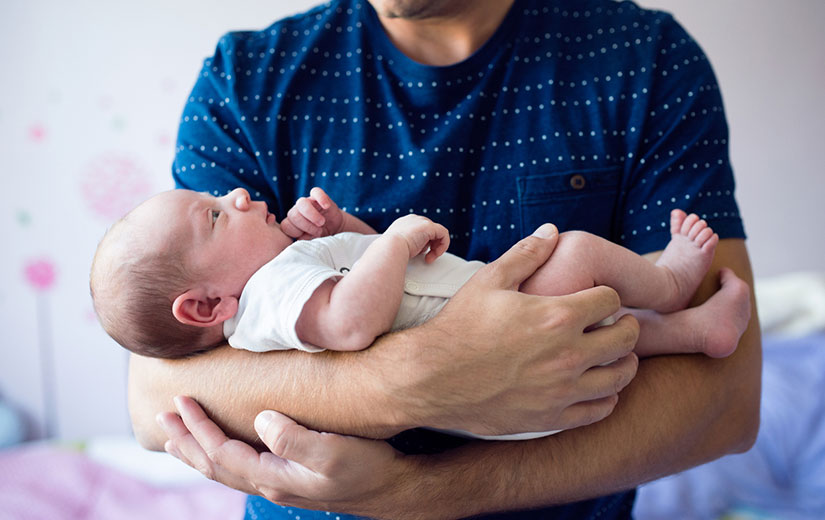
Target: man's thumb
<point x="523" y="259"/>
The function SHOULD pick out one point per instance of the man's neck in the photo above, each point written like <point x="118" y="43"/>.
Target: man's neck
<point x="448" y="36"/>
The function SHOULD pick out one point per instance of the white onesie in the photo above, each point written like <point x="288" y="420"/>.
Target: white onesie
<point x="274" y="297"/>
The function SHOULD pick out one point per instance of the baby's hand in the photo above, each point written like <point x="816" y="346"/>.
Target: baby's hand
<point x="314" y="216"/>
<point x="421" y="234"/>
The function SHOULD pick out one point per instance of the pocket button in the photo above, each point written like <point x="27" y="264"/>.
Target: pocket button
<point x="577" y="181"/>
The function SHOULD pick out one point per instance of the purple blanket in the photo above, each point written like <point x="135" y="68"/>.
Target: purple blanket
<point x="47" y="482"/>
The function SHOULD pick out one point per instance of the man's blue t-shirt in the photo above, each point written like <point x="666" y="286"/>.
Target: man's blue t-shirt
<point x="591" y="114"/>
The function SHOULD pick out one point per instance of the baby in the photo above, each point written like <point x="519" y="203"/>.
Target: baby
<point x="185" y="271"/>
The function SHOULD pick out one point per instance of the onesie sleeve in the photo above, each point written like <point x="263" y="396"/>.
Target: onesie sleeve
<point x="681" y="157"/>
<point x="273" y="299"/>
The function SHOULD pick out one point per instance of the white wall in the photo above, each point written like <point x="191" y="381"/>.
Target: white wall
<point x="89" y="101"/>
<point x="769" y="58"/>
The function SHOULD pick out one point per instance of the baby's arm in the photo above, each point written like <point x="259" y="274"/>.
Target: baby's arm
<point x="318" y="216"/>
<point x="348" y="314"/>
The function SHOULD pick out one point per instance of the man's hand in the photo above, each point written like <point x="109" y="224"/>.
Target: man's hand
<point x="422" y="235"/>
<point x="302" y="468"/>
<point x="314" y="216"/>
<point x="496" y="361"/>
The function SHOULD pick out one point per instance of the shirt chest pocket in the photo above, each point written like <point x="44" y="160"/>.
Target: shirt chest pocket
<point x="575" y="199"/>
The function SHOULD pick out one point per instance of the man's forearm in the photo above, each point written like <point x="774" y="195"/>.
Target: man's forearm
<point x="329" y="391"/>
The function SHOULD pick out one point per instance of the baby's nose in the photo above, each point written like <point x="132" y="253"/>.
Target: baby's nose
<point x="241" y="198"/>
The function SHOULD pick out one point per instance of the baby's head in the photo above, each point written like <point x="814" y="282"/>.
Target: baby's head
<point x="167" y="275"/>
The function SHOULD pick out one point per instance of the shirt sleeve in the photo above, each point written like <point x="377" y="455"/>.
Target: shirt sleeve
<point x="681" y="157"/>
<point x="218" y="147"/>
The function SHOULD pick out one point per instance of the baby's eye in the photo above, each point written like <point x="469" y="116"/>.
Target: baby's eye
<point x="215" y="214"/>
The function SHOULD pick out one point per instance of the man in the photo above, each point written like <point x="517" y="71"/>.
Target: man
<point x="492" y="117"/>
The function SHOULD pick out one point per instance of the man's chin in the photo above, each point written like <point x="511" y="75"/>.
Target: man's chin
<point x="413" y="9"/>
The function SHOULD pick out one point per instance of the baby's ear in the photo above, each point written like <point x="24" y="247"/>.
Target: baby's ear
<point x="195" y="307"/>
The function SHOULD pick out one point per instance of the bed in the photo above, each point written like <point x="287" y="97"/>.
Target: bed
<point x="107" y="478"/>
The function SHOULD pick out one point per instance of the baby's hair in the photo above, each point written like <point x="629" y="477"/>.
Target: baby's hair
<point x="133" y="295"/>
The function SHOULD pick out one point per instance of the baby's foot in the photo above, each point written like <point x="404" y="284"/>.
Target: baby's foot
<point x="687" y="257"/>
<point x="722" y="320"/>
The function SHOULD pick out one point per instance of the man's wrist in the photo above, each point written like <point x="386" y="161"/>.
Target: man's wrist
<point x="461" y="485"/>
<point x="396" y="368"/>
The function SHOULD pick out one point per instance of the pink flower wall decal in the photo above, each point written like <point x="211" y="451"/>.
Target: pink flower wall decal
<point x="40" y="273"/>
<point x="37" y="133"/>
<point x="112" y="184"/>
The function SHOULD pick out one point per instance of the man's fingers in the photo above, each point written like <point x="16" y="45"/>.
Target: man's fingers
<point x="183" y="445"/>
<point x="521" y="260"/>
<point x="606" y="344"/>
<point x="207" y="433"/>
<point x="173" y="427"/>
<point x="210" y="451"/>
<point x="287" y="439"/>
<point x="169" y="447"/>
<point x="604" y="381"/>
<point x="594" y="304"/>
<point x="588" y="412"/>
<point x="230" y="454"/>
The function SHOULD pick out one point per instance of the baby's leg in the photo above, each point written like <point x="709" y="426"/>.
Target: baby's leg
<point x="713" y="328"/>
<point x="582" y="260"/>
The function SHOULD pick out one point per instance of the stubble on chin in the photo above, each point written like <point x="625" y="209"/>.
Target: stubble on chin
<point x="417" y="9"/>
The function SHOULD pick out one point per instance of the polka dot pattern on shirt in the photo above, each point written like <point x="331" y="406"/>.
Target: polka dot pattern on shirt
<point x="560" y="88"/>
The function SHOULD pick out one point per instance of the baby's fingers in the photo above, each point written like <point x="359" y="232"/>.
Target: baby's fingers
<point x="438" y="244"/>
<point x="290" y="229"/>
<point x="310" y="210"/>
<point x="321" y="197"/>
<point x="297" y="226"/>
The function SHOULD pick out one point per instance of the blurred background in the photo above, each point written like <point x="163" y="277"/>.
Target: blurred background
<point x="89" y="103"/>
